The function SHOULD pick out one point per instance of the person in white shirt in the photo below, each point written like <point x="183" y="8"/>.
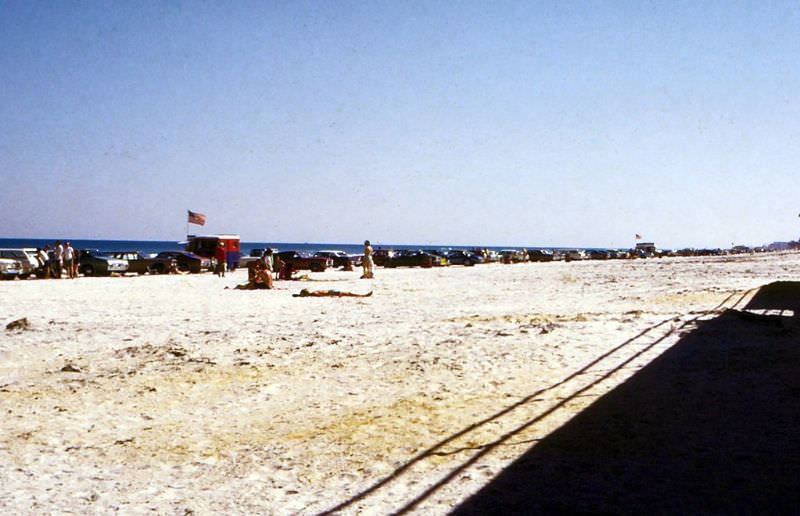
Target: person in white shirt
<point x="69" y="254"/>
<point x="58" y="259"/>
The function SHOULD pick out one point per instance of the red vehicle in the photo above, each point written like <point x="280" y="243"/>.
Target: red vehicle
<point x="206" y="246"/>
<point x="300" y="261"/>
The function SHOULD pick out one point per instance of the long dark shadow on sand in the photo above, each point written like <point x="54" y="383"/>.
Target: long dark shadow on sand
<point x="709" y="426"/>
<point x="434" y="449"/>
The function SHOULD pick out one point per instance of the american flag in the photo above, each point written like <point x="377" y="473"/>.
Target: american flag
<point x="196" y="218"/>
<point x="638" y="236"/>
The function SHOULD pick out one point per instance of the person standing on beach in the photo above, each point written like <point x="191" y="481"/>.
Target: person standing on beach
<point x="221" y="255"/>
<point x="44" y="261"/>
<point x="58" y="259"/>
<point x="267" y="259"/>
<point x="367" y="261"/>
<point x="69" y="253"/>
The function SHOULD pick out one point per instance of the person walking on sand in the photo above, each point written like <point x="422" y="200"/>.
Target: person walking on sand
<point x="221" y="255"/>
<point x="367" y="262"/>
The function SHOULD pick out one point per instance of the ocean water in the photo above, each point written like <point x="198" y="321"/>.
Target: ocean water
<point x="156" y="246"/>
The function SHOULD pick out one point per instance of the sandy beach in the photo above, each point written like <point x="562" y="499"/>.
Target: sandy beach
<point x="176" y="395"/>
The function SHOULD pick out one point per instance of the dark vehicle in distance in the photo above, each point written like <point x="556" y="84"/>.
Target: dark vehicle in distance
<point x="300" y="261"/>
<point x="412" y="259"/>
<point x="340" y="258"/>
<point x="187" y="261"/>
<point x="512" y="256"/>
<point x="459" y="257"/>
<point x="599" y="254"/>
<point x="382" y="256"/>
<point x="141" y="264"/>
<point x="94" y="263"/>
<point x="540" y="255"/>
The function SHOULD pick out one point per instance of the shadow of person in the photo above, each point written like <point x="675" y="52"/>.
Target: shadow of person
<point x="710" y="426"/>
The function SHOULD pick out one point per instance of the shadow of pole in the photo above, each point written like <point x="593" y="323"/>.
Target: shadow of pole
<point x="709" y="426"/>
<point x="432" y="450"/>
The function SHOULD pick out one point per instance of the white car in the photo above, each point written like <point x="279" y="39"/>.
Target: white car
<point x="28" y="261"/>
<point x="9" y="269"/>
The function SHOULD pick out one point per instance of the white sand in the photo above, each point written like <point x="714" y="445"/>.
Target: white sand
<point x="192" y="397"/>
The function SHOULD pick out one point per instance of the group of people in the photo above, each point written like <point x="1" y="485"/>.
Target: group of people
<point x="61" y="259"/>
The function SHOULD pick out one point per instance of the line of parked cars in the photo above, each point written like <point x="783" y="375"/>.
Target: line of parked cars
<point x="25" y="262"/>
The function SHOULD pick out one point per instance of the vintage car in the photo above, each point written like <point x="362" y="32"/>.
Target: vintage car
<point x="382" y="256"/>
<point x="574" y="255"/>
<point x="460" y="257"/>
<point x="512" y="256"/>
<point x="540" y="255"/>
<point x="95" y="263"/>
<point x="9" y="269"/>
<point x="340" y="258"/>
<point x="413" y="259"/>
<point x="29" y="264"/>
<point x="187" y="261"/>
<point x="141" y="264"/>
<point x="301" y="261"/>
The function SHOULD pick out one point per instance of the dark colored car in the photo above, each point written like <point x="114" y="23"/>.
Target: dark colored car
<point x="382" y="256"/>
<point x="187" y="261"/>
<point x="599" y="254"/>
<point x="412" y="259"/>
<point x="304" y="262"/>
<point x="340" y="258"/>
<point x="141" y="264"/>
<point x="540" y="255"/>
<point x="459" y="257"/>
<point x="94" y="263"/>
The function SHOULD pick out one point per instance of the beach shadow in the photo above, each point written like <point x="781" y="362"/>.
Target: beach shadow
<point x="710" y="426"/>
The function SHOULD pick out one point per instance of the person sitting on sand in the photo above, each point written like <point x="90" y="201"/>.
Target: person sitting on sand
<point x="328" y="293"/>
<point x="259" y="277"/>
<point x="287" y="271"/>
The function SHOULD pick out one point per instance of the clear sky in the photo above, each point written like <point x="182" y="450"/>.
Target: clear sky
<point x="498" y="123"/>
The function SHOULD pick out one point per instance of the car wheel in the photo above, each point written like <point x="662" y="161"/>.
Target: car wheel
<point x="87" y="270"/>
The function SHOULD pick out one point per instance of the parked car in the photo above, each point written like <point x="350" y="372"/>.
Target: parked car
<point x="9" y="268"/>
<point x="340" y="258"/>
<point x="512" y="256"/>
<point x="459" y="257"/>
<point x="301" y="261"/>
<point x="540" y="255"/>
<point x="94" y="263"/>
<point x="187" y="261"/>
<point x="382" y="256"/>
<point x="599" y="254"/>
<point x="141" y="264"/>
<point x="573" y="254"/>
<point x="412" y="259"/>
<point x="28" y="262"/>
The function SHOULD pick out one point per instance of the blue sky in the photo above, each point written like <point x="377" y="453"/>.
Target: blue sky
<point x="497" y="123"/>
